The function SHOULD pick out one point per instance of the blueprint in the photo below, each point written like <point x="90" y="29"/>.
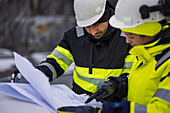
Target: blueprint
<point x="40" y="91"/>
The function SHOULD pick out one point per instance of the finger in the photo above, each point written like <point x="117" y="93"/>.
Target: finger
<point x="93" y="96"/>
<point x="101" y="96"/>
<point x="90" y="99"/>
<point x="19" y="75"/>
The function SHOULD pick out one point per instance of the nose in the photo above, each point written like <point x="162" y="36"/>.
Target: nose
<point x="92" y="30"/>
<point x="128" y="40"/>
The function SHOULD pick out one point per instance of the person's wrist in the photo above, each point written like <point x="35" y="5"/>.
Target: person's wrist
<point x="114" y="83"/>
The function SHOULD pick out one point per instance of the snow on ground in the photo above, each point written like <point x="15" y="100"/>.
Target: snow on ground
<point x="6" y="64"/>
<point x="41" y="56"/>
<point x="7" y="60"/>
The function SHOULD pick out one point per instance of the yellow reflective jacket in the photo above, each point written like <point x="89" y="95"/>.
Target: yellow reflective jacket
<point x="149" y="79"/>
<point x="95" y="59"/>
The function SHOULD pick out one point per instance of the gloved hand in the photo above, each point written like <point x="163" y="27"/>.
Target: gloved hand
<point x="113" y="90"/>
<point x="17" y="77"/>
<point x="78" y="109"/>
<point x="104" y="92"/>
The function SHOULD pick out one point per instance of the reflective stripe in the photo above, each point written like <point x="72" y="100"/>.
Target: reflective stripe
<point x="128" y="65"/>
<point x="140" y="108"/>
<point x="163" y="94"/>
<point x="129" y="60"/>
<point x="122" y="34"/>
<point x="62" y="57"/>
<point x="99" y="111"/>
<point x="52" y="69"/>
<point x="163" y="59"/>
<point x="90" y="80"/>
<point x="79" y="31"/>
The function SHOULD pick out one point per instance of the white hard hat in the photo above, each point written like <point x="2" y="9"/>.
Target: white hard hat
<point x="127" y="14"/>
<point x="87" y="12"/>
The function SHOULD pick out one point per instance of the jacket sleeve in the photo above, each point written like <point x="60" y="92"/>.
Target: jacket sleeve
<point x="161" y="99"/>
<point x="58" y="61"/>
<point x="122" y="87"/>
<point x="160" y="102"/>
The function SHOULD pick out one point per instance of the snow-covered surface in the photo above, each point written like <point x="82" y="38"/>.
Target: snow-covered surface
<point x="7" y="60"/>
<point x="41" y="56"/>
<point x="6" y="64"/>
<point x="12" y="105"/>
<point x="41" y="93"/>
<point x="5" y="53"/>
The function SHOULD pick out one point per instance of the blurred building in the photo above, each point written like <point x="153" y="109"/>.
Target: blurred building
<point x="34" y="25"/>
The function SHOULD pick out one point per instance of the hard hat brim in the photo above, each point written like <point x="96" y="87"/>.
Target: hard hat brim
<point x="119" y="24"/>
<point x="90" y="21"/>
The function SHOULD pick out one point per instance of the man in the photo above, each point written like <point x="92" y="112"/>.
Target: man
<point x="98" y="50"/>
<point x="149" y="79"/>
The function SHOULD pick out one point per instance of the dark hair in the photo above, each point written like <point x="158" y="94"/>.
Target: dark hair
<point x="109" y="11"/>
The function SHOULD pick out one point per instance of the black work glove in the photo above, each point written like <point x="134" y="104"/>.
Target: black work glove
<point x="104" y="92"/>
<point x="113" y="90"/>
<point x="17" y="77"/>
<point x="78" y="109"/>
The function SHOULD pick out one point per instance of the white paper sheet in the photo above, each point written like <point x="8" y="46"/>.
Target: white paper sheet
<point x="24" y="92"/>
<point x="40" y="91"/>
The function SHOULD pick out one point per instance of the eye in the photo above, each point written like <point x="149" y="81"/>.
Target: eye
<point x="130" y="37"/>
<point x="87" y="27"/>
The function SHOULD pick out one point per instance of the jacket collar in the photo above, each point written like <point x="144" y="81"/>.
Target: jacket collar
<point x="155" y="47"/>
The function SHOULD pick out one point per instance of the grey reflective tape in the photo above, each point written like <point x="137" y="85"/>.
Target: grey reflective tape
<point x="52" y="69"/>
<point x="128" y="65"/>
<point x="79" y="31"/>
<point x="62" y="57"/>
<point x="163" y="94"/>
<point x="122" y="34"/>
<point x="165" y="57"/>
<point x="90" y="80"/>
<point x="140" y="108"/>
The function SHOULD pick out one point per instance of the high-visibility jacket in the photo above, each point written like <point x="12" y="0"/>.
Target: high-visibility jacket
<point x="95" y="59"/>
<point x="149" y="79"/>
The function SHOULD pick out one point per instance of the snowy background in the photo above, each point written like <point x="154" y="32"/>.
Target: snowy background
<point x="32" y="28"/>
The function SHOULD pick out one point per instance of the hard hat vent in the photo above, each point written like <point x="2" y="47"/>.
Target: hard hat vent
<point x="128" y="13"/>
